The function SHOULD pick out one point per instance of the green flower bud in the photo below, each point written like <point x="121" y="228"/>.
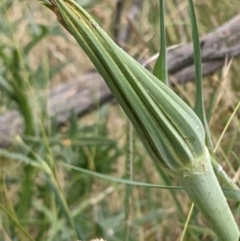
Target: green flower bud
<point x="171" y="132"/>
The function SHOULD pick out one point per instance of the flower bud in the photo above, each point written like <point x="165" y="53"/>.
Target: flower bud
<point x="171" y="132"/>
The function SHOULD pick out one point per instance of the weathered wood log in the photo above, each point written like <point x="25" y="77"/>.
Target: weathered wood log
<point x="215" y="46"/>
<point x="89" y="90"/>
<point x="79" y="95"/>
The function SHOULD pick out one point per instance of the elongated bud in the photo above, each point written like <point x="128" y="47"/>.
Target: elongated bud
<point x="171" y="132"/>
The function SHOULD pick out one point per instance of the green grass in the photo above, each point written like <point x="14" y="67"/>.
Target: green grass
<point x="41" y="196"/>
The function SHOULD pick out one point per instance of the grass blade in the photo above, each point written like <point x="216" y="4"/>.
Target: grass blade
<point x="199" y="103"/>
<point x="160" y="69"/>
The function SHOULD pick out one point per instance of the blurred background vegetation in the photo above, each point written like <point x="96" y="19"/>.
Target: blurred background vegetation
<point x="43" y="199"/>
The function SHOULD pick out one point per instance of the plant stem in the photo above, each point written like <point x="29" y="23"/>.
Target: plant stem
<point x="205" y="191"/>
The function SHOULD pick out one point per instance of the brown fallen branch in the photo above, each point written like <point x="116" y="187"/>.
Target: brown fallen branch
<point x="216" y="46"/>
<point x="79" y="95"/>
<point x="89" y="90"/>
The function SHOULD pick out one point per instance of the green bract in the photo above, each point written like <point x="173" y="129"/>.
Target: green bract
<point x="171" y="132"/>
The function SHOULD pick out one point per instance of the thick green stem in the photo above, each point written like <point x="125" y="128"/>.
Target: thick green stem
<point x="203" y="188"/>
